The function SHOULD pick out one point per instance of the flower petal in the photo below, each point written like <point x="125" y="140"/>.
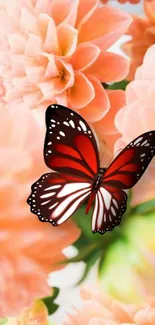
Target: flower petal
<point x="28" y="22"/>
<point x="137" y="89"/>
<point x="84" y="56"/>
<point x="82" y="93"/>
<point x="107" y="124"/>
<point x="68" y="38"/>
<point x="30" y="49"/>
<point x="110" y="67"/>
<point x="64" y="82"/>
<point x="149" y="7"/>
<point x="85" y="10"/>
<point x="17" y="43"/>
<point x="64" y="11"/>
<point x="99" y="32"/>
<point x="99" y="106"/>
<point x="49" y="33"/>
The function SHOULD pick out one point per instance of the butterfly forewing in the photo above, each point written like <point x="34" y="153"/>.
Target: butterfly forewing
<point x="55" y="199"/>
<point x="70" y="146"/>
<point x="128" y="167"/>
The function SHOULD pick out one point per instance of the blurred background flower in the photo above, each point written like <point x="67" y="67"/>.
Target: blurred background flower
<point x="131" y="262"/>
<point x="97" y="309"/>
<point x="140" y="98"/>
<point x="142" y="31"/>
<point x="123" y="1"/>
<point x="29" y="249"/>
<point x="36" y="315"/>
<point x="69" y="59"/>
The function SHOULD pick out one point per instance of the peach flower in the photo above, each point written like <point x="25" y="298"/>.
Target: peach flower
<point x="105" y="129"/>
<point x="55" y="51"/>
<point x="139" y="112"/>
<point x="98" y="309"/>
<point x="124" y="1"/>
<point x="29" y="249"/>
<point x="36" y="315"/>
<point x="142" y="31"/>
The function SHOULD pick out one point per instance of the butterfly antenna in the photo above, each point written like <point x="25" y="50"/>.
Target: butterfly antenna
<point x="103" y="151"/>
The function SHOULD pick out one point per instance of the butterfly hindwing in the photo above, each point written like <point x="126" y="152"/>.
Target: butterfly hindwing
<point x="70" y="146"/>
<point x="110" y="205"/>
<point x="55" y="199"/>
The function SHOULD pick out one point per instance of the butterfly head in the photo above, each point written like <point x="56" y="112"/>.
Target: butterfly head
<point x="101" y="171"/>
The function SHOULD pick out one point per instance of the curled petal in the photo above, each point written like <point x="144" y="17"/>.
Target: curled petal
<point x="82" y="93"/>
<point x="28" y="22"/>
<point x="85" y="55"/>
<point x="85" y="10"/>
<point x="99" y="106"/>
<point x="66" y="78"/>
<point x="64" y="11"/>
<point x="49" y="34"/>
<point x="99" y="32"/>
<point x="107" y="124"/>
<point x="110" y="67"/>
<point x="68" y="38"/>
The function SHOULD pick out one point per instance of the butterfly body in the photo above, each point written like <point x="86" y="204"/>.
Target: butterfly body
<point x="98" y="179"/>
<point x="71" y="151"/>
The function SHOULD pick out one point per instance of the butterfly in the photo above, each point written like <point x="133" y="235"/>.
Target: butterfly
<point x="71" y="151"/>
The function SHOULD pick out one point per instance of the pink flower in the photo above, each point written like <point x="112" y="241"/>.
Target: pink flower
<point x="98" y="309"/>
<point x="36" y="315"/>
<point x="137" y="117"/>
<point x="55" y="51"/>
<point x="30" y="249"/>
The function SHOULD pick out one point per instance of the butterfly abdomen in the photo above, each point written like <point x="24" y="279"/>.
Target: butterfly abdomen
<point x="95" y="187"/>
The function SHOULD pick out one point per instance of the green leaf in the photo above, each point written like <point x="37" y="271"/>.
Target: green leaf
<point x="3" y="321"/>
<point x="48" y="301"/>
<point x="52" y="308"/>
<point x="119" y="85"/>
<point x="145" y="207"/>
<point x="91" y="261"/>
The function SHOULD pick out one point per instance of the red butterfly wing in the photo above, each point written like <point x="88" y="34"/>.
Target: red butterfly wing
<point x="70" y="146"/>
<point x="123" y="173"/>
<point x="55" y="199"/>
<point x="128" y="167"/>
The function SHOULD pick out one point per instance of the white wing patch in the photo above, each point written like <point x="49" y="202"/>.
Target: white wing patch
<point x="55" y="203"/>
<point x="107" y="210"/>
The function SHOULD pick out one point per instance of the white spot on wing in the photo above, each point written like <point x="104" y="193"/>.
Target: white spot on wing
<point x="113" y="212"/>
<point x="138" y="140"/>
<point x="115" y="202"/>
<point x="52" y="187"/>
<point x="45" y="202"/>
<point x="101" y="211"/>
<point x="72" y="124"/>
<point x="47" y="195"/>
<point x="52" y="206"/>
<point x="145" y="142"/>
<point x="62" y="133"/>
<point x="83" y="125"/>
<point x="71" y="188"/>
<point x="106" y="196"/>
<point x="65" y="123"/>
<point x="95" y="213"/>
